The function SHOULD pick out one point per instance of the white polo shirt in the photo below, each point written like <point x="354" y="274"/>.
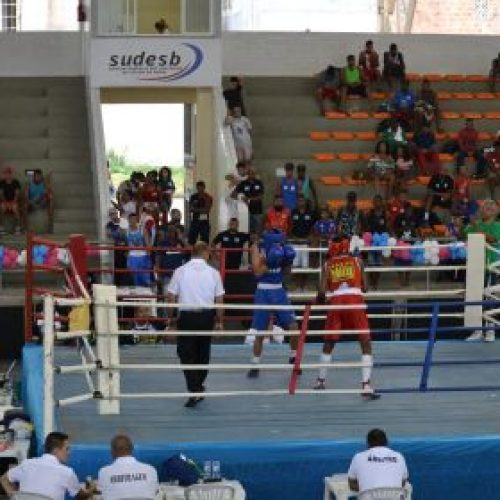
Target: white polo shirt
<point x="378" y="467"/>
<point x="126" y="477"/>
<point x="45" y="476"/>
<point x="196" y="283"/>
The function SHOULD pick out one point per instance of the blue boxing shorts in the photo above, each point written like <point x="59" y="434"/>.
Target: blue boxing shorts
<point x="140" y="263"/>
<point x="269" y="295"/>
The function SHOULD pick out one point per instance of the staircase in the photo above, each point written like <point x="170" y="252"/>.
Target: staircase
<point x="43" y="124"/>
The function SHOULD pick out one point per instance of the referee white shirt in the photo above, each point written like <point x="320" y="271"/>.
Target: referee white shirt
<point x="126" y="477"/>
<point x="45" y="476"/>
<point x="196" y="283"/>
<point x="378" y="467"/>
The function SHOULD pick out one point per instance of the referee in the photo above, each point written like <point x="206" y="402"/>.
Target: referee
<point x="197" y="285"/>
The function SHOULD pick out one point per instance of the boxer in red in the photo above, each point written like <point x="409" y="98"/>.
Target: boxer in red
<point x="343" y="283"/>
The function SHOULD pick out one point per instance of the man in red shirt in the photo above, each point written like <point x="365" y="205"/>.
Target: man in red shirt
<point x="468" y="142"/>
<point x="493" y="161"/>
<point x="278" y="217"/>
<point x="369" y="63"/>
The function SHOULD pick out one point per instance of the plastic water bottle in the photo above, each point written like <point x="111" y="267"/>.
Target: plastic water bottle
<point x="216" y="474"/>
<point x="207" y="470"/>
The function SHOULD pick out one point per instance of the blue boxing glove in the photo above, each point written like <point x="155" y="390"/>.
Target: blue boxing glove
<point x="275" y="256"/>
<point x="289" y="254"/>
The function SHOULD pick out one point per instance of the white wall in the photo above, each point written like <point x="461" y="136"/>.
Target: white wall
<point x="40" y="54"/>
<point x="301" y="54"/>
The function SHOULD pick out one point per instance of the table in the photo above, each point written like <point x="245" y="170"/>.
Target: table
<point x="169" y="492"/>
<point x="338" y="485"/>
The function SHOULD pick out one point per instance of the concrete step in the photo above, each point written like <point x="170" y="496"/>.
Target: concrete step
<point x="23" y="106"/>
<point x="16" y="128"/>
<point x="81" y="154"/>
<point x="45" y="164"/>
<point x="87" y="227"/>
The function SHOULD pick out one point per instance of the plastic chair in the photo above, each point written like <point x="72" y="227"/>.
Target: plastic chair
<point x="209" y="492"/>
<point x="331" y="180"/>
<point x="383" y="494"/>
<point x="319" y="136"/>
<point x="342" y="136"/>
<point x="22" y="495"/>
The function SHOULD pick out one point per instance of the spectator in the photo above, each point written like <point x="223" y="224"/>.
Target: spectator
<point x="149" y="194"/>
<point x="381" y="166"/>
<point x="462" y="203"/>
<point x="127" y="205"/>
<point x="404" y="105"/>
<point x="426" y="151"/>
<point x="162" y="27"/>
<point x="166" y="188"/>
<point x="176" y="220"/>
<point x="278" y="216"/>
<point x="199" y="284"/>
<point x="136" y="479"/>
<point x="242" y="134"/>
<point x="394" y="66"/>
<point x="252" y="190"/>
<point x="170" y="257"/>
<point x="492" y="160"/>
<point x="351" y="82"/>
<point x="349" y="219"/>
<point x="325" y="227"/>
<point x="439" y="192"/>
<point x="468" y="142"/>
<point x="377" y="467"/>
<point x="494" y="73"/>
<point x="114" y="224"/>
<point x="302" y="223"/>
<point x="395" y="136"/>
<point x="115" y="232"/>
<point x="47" y="475"/>
<point x="232" y="238"/>
<point x="328" y="90"/>
<point x="307" y="187"/>
<point x="404" y="167"/>
<point x="376" y="222"/>
<point x="233" y="95"/>
<point x="39" y="196"/>
<point x="10" y="193"/>
<point x="405" y="228"/>
<point x="427" y="109"/>
<point x="200" y="204"/>
<point x="138" y="261"/>
<point x="396" y="206"/>
<point x="369" y="63"/>
<point x="288" y="188"/>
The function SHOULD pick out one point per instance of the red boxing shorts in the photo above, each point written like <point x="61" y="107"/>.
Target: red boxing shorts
<point x="347" y="319"/>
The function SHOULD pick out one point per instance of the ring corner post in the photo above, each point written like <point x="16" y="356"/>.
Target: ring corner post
<point x="48" y="365"/>
<point x="107" y="342"/>
<point x="474" y="280"/>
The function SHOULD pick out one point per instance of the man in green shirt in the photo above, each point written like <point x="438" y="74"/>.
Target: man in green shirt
<point x="351" y="80"/>
<point x="490" y="227"/>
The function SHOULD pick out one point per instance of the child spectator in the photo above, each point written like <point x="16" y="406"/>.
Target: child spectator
<point x="462" y="204"/>
<point x="288" y="188"/>
<point x="200" y="204"/>
<point x="369" y="63"/>
<point x="10" y="192"/>
<point x="455" y="228"/>
<point x="381" y="166"/>
<point x="404" y="167"/>
<point x="405" y="228"/>
<point x="427" y="155"/>
<point x="394" y="66"/>
<point x="404" y="105"/>
<point x="351" y="81"/>
<point x="138" y="261"/>
<point x="242" y="134"/>
<point x="127" y="205"/>
<point x="307" y="187"/>
<point x="427" y="107"/>
<point x="278" y="216"/>
<point x="233" y="95"/>
<point x="166" y="187"/>
<point x="325" y="227"/>
<point x="492" y="159"/>
<point x="349" y="218"/>
<point x="116" y="235"/>
<point x="439" y="192"/>
<point x="176" y="220"/>
<point x="396" y="206"/>
<point x="251" y="191"/>
<point x="468" y="142"/>
<point x="39" y="196"/>
<point x="395" y="136"/>
<point x="327" y="92"/>
<point x="376" y="222"/>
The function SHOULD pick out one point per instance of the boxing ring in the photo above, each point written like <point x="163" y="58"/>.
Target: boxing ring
<point x="440" y="396"/>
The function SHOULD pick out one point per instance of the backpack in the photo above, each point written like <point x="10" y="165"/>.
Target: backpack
<point x="180" y="468"/>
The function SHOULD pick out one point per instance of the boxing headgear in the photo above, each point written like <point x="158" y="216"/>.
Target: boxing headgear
<point x="273" y="237"/>
<point x="275" y="256"/>
<point x="338" y="247"/>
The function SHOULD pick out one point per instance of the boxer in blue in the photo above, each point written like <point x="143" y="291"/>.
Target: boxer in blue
<point x="269" y="261"/>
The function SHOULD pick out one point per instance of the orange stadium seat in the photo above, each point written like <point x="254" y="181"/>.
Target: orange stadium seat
<point x="477" y="78"/>
<point x="413" y="77"/>
<point x="423" y="179"/>
<point x="485" y="96"/>
<point x="417" y="203"/>
<point x="342" y="136"/>
<point x="364" y="204"/>
<point x="445" y="157"/>
<point x="485" y="136"/>
<point x="440" y="136"/>
<point x="335" y="115"/>
<point x="381" y="115"/>
<point x="450" y="115"/>
<point x="359" y="115"/>
<point x="455" y="78"/>
<point x="354" y="182"/>
<point x="335" y="204"/>
<point x="331" y="180"/>
<point x="497" y="94"/>
<point x="324" y="156"/>
<point x="439" y="229"/>
<point x="378" y="95"/>
<point x="349" y="156"/>
<point x="434" y="77"/>
<point x="492" y="115"/>
<point x="452" y="135"/>
<point x="444" y="95"/>
<point x="365" y="156"/>
<point x="472" y="114"/>
<point x="319" y="136"/>
<point x="366" y="136"/>
<point x="463" y="96"/>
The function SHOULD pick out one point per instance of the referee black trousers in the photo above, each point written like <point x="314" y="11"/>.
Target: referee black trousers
<point x="195" y="349"/>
